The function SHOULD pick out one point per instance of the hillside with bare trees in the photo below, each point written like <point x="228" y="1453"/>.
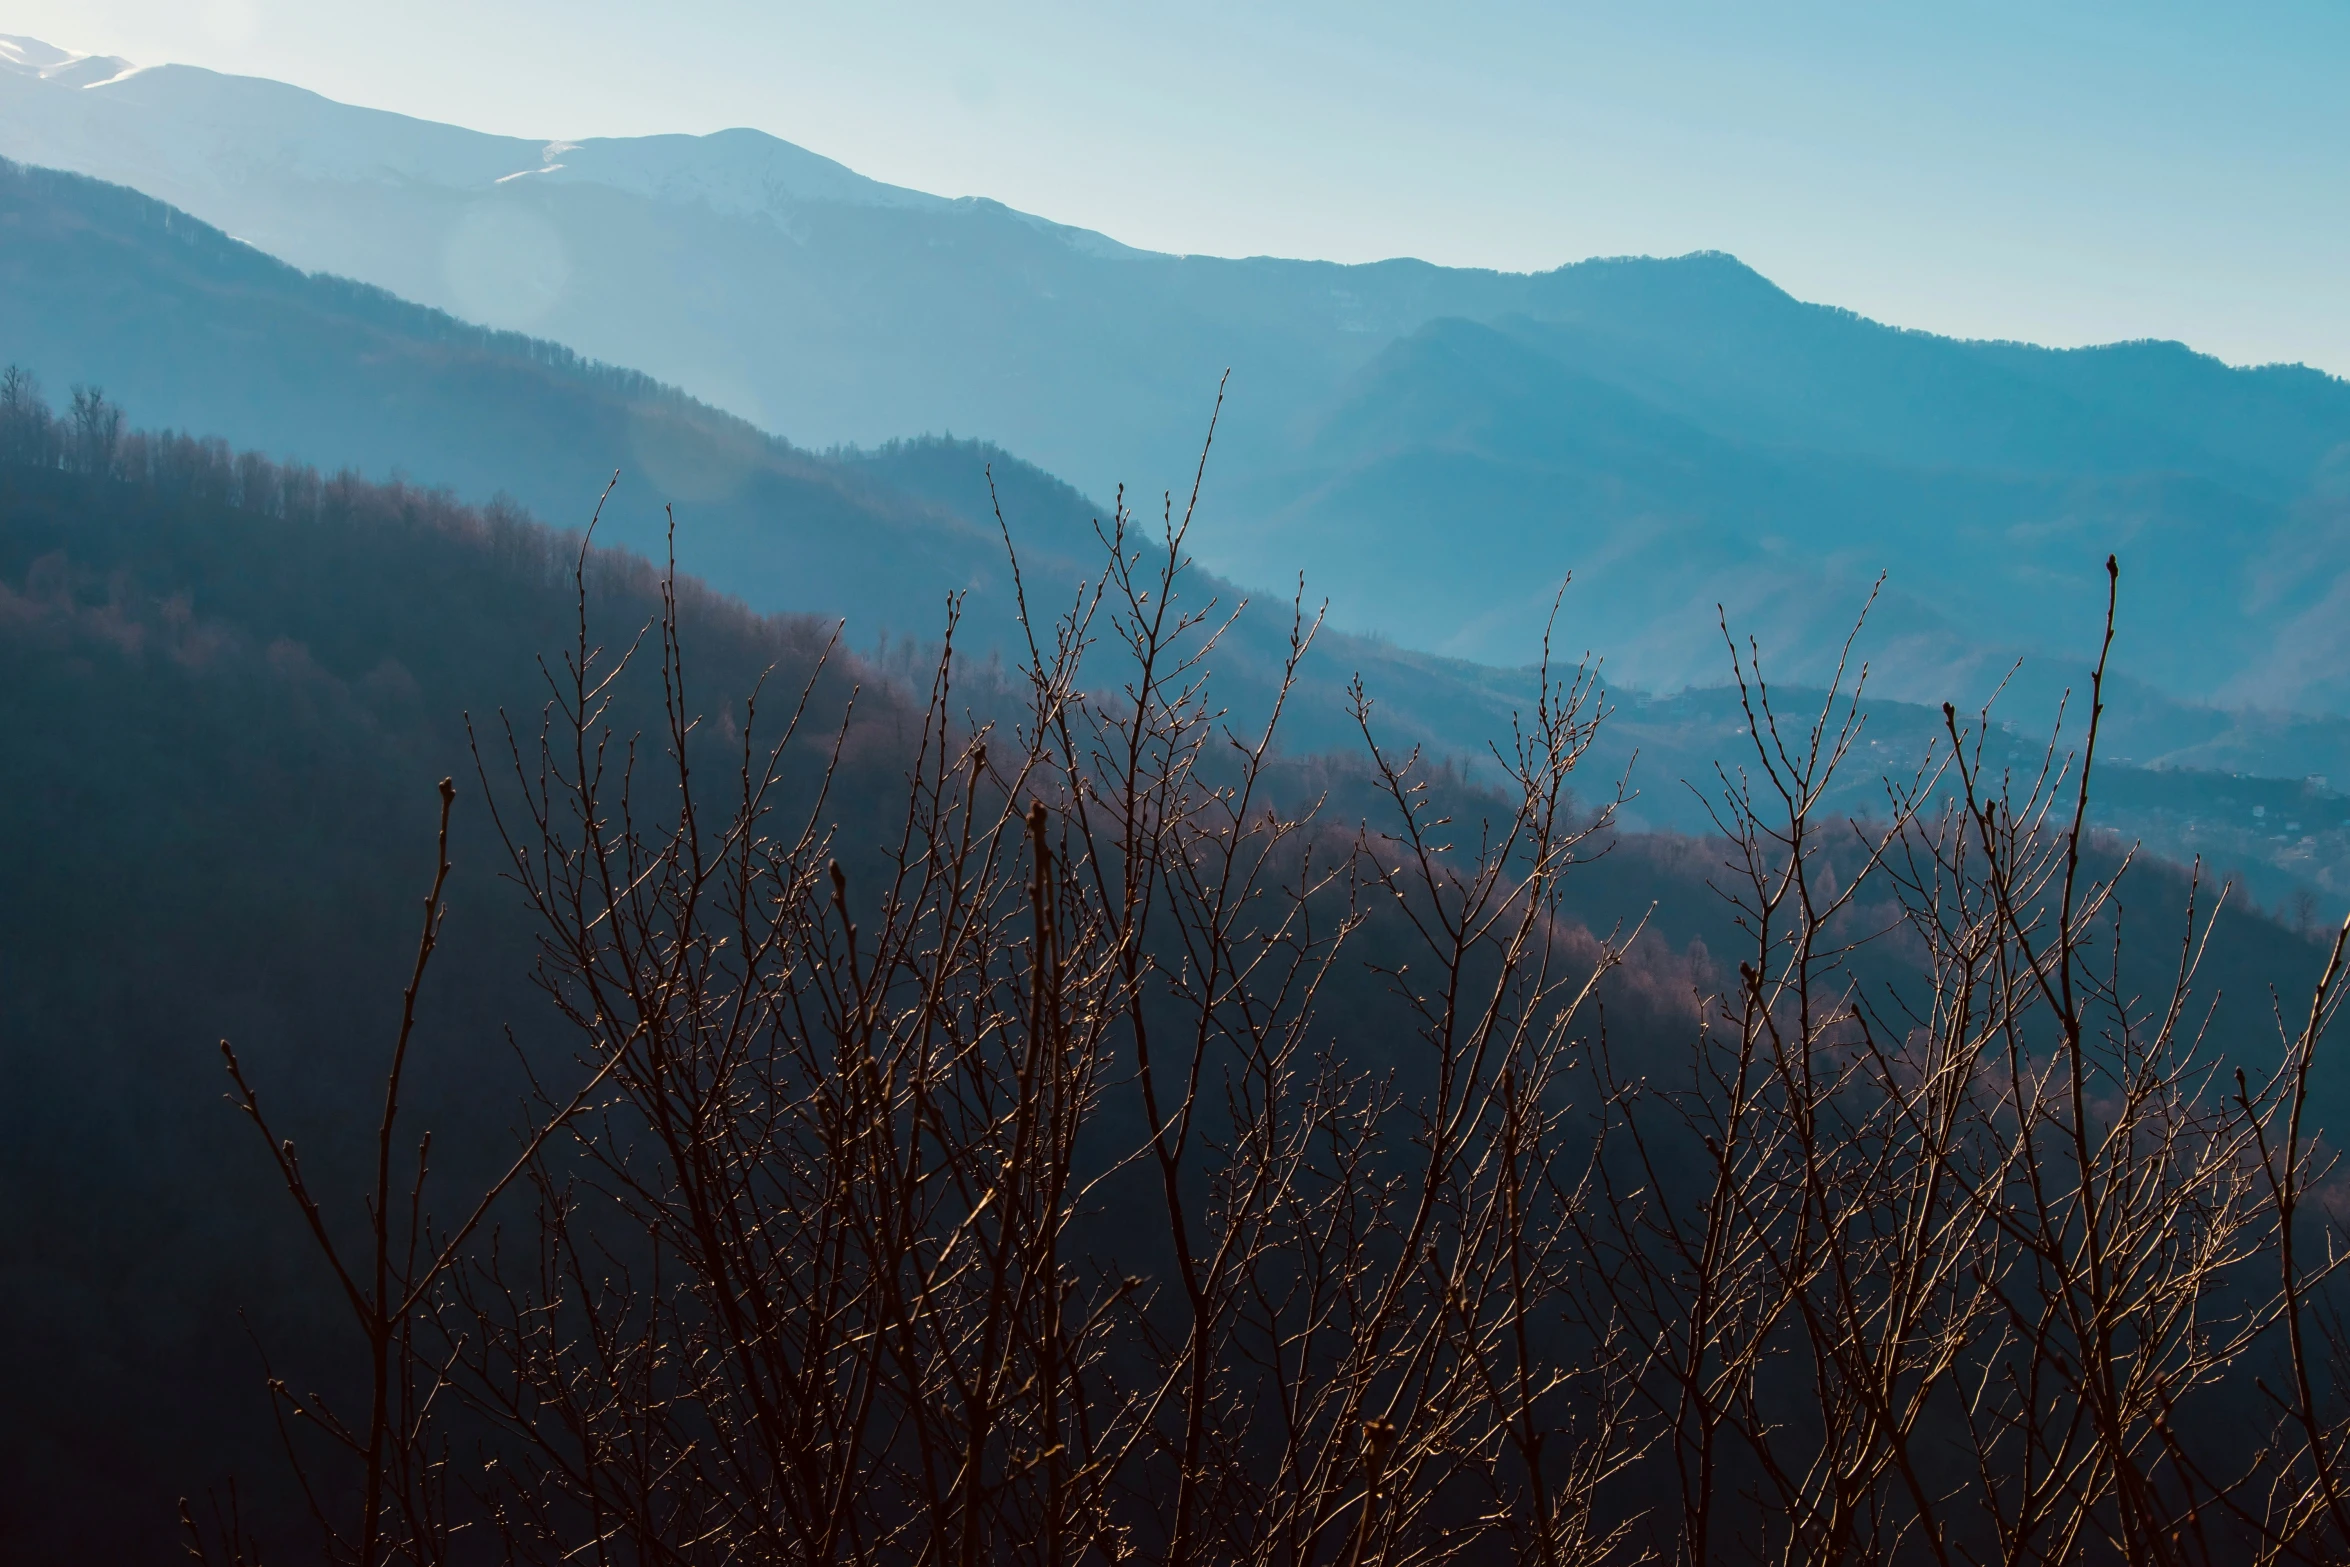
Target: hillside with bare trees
<point x="1018" y="1109"/>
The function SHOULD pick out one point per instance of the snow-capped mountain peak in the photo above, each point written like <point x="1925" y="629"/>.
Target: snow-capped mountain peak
<point x="175" y="130"/>
<point x="47" y="62"/>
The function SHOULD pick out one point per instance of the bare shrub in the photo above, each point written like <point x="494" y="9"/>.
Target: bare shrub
<point x="1008" y="1194"/>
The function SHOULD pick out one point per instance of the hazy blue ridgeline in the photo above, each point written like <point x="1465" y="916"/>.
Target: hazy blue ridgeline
<point x="1433" y="446"/>
<point x="185" y="327"/>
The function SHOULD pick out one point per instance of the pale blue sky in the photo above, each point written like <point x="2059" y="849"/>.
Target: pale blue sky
<point x="2059" y="172"/>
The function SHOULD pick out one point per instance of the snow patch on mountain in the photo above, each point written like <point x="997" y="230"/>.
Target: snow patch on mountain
<point x="48" y="63"/>
<point x="174" y="130"/>
<point x="737" y="172"/>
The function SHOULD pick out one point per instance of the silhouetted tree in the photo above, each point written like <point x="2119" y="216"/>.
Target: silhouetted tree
<point x="25" y="422"/>
<point x="93" y="432"/>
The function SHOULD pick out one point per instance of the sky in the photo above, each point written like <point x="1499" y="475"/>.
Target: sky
<point x="2054" y="172"/>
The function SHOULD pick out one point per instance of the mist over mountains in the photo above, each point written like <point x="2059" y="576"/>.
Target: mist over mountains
<point x="1434" y="447"/>
<point x="182" y="327"/>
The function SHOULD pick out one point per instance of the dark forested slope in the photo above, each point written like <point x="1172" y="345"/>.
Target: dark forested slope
<point x="228" y="688"/>
<point x="224" y="724"/>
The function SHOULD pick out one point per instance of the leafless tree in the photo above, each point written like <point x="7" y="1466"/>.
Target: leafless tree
<point x="1007" y="1193"/>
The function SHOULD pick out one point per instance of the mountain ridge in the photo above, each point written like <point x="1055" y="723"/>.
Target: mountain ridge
<point x="836" y="311"/>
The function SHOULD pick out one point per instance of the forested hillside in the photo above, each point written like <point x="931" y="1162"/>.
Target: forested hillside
<point x="230" y="687"/>
<point x="229" y="692"/>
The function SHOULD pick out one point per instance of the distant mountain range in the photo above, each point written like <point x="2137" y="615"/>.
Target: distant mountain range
<point x="1435" y="447"/>
<point x="184" y="327"/>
